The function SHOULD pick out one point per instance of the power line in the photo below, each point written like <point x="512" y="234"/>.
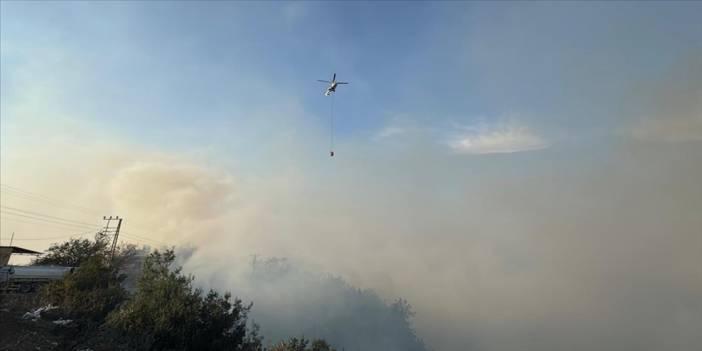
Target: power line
<point x="143" y="237"/>
<point x="134" y="236"/>
<point x="28" y="221"/>
<point x="22" y="197"/>
<point x="49" y="200"/>
<point x="39" y="197"/>
<point x="50" y="222"/>
<point x="46" y="220"/>
<point x="44" y="215"/>
<point x="142" y="241"/>
<point x="55" y="237"/>
<point x="39" y="223"/>
<point x="45" y="225"/>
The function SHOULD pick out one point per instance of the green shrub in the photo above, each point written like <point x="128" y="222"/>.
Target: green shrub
<point x="295" y="344"/>
<point x="74" y="252"/>
<point x="91" y="292"/>
<point x="166" y="312"/>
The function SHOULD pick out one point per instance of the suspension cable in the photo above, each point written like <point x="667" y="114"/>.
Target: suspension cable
<point x="331" y="128"/>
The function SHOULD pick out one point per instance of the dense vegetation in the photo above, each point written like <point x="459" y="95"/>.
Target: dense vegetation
<point x="291" y="299"/>
<point x="141" y="300"/>
<point x="165" y="311"/>
<point x="75" y="252"/>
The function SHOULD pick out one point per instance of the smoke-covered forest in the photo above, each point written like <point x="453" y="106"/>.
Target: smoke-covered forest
<point x="141" y="299"/>
<point x="353" y="175"/>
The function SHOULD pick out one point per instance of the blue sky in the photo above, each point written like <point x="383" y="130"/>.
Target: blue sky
<point x="153" y="71"/>
<point x="525" y="173"/>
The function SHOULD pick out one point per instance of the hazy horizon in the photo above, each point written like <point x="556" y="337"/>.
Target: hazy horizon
<point x="526" y="174"/>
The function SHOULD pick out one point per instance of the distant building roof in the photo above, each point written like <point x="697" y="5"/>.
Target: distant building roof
<point x="20" y="250"/>
<point x="7" y="251"/>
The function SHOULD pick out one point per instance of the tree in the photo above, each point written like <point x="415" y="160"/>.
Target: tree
<point x="72" y="253"/>
<point x="294" y="301"/>
<point x="166" y="312"/>
<point x="94" y="289"/>
<point x="75" y="252"/>
<point x="91" y="292"/>
<point x="295" y="344"/>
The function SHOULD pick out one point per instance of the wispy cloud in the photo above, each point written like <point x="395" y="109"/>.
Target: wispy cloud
<point x="671" y="110"/>
<point x="389" y="132"/>
<point x="505" y="137"/>
<point x="670" y="129"/>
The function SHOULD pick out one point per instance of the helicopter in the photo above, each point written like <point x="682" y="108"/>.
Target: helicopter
<point x="332" y="85"/>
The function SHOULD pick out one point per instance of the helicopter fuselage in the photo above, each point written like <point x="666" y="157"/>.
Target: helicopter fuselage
<point x="331" y="89"/>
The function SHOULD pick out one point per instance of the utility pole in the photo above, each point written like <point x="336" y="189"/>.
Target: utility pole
<point x="100" y="235"/>
<point x="114" y="241"/>
<point x="116" y="235"/>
